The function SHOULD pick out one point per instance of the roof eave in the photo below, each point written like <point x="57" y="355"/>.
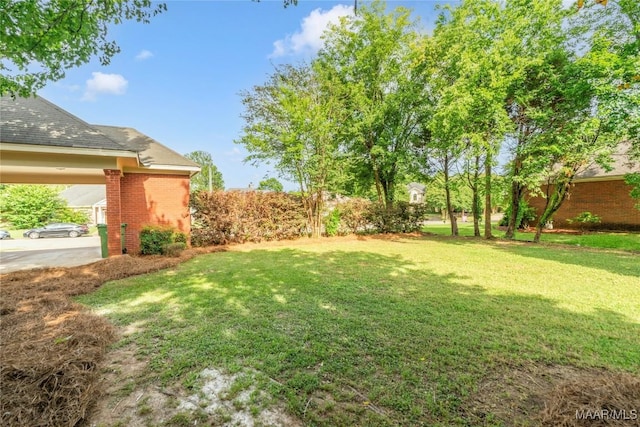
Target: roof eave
<point x="53" y="149"/>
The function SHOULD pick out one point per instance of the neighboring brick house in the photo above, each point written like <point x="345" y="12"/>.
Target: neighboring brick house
<point x="602" y="193"/>
<point x="146" y="182"/>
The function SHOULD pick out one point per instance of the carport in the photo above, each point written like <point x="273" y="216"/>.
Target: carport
<point x="146" y="182"/>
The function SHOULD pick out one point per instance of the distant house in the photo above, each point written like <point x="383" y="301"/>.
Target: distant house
<point x="416" y="192"/>
<point x="90" y="199"/>
<point x="600" y="192"/>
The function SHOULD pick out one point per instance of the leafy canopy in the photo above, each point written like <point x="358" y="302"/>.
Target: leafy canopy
<point x="209" y="178"/>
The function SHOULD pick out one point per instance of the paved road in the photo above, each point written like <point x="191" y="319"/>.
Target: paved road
<point x="23" y="254"/>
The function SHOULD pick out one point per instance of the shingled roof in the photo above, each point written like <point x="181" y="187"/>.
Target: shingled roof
<point x="36" y="121"/>
<point x="150" y="152"/>
<point x="621" y="164"/>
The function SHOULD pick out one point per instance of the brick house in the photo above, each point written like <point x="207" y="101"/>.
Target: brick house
<point x="603" y="193"/>
<point x="146" y="182"/>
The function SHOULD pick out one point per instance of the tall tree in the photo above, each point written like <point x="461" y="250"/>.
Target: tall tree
<point x="293" y="120"/>
<point x="28" y="206"/>
<point x="270" y="184"/>
<point x="372" y="57"/>
<point x="538" y="28"/>
<point x="591" y="108"/>
<point x="40" y="40"/>
<point x="209" y="178"/>
<point x="472" y="67"/>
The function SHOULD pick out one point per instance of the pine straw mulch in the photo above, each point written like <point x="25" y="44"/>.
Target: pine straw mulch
<point x="51" y="346"/>
<point x="535" y="394"/>
<point x="51" y="349"/>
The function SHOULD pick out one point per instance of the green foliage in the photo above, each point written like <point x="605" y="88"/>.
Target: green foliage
<point x="223" y="217"/>
<point x="67" y="214"/>
<point x="209" y="178"/>
<point x="526" y="214"/>
<point x="42" y="39"/>
<point x="332" y="223"/>
<point x="157" y="240"/>
<point x="291" y="121"/>
<point x="180" y="237"/>
<point x="29" y="206"/>
<point x="633" y="179"/>
<point x="270" y="184"/>
<point x="585" y="219"/>
<point x="402" y="217"/>
<point x="373" y="61"/>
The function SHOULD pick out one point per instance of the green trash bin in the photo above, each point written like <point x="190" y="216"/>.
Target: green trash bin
<point x="123" y="240"/>
<point x="102" y="231"/>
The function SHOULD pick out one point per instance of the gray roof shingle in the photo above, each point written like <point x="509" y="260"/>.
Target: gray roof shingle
<point x="36" y="121"/>
<point x="84" y="195"/>
<point x="150" y="152"/>
<point x="621" y="164"/>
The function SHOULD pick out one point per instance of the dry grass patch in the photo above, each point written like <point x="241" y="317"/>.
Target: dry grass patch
<point x="51" y="346"/>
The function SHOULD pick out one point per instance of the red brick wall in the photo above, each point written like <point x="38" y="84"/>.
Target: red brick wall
<point x="610" y="200"/>
<point x="113" y="190"/>
<point x="154" y="200"/>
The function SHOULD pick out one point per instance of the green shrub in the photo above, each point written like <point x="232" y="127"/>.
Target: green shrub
<point x="526" y="214"/>
<point x="67" y="214"/>
<point x="585" y="219"/>
<point x="180" y="237"/>
<point x="174" y="249"/>
<point x="402" y="217"/>
<point x="332" y="223"/>
<point x="153" y="239"/>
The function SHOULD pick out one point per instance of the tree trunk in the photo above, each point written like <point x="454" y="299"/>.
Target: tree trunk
<point x="554" y="201"/>
<point x="516" y="195"/>
<point x="447" y="190"/>
<point x="475" y="208"/>
<point x="487" y="196"/>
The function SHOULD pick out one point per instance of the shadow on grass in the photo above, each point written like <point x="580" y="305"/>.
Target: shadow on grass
<point x="340" y="331"/>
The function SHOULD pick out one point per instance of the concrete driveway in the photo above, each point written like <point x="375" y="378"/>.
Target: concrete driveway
<point x="24" y="254"/>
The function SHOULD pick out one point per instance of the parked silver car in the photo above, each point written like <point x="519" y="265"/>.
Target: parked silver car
<point x="4" y="234"/>
<point x="58" y="229"/>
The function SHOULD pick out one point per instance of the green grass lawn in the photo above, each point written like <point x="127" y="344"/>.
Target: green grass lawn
<point x="625" y="241"/>
<point x="409" y="327"/>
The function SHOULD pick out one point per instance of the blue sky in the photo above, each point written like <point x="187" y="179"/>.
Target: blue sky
<point x="178" y="78"/>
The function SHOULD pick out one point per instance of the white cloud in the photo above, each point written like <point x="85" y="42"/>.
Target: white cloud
<point x="144" y="54"/>
<point x="100" y="83"/>
<point x="308" y="38"/>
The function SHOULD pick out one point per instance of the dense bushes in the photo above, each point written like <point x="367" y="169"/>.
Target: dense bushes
<point x="357" y="216"/>
<point x="223" y="217"/>
<point x="156" y="240"/>
<point x="403" y="217"/>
